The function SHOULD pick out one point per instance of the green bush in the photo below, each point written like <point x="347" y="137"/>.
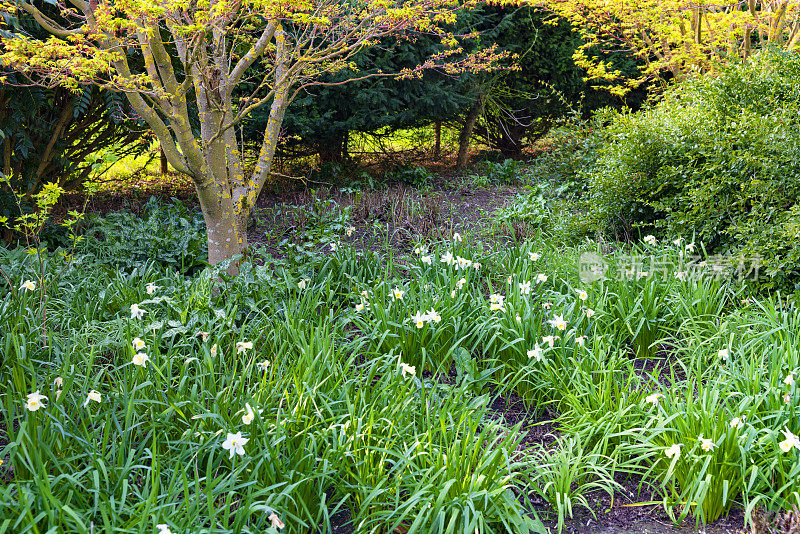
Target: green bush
<point x="171" y="235"/>
<point x="718" y="158"/>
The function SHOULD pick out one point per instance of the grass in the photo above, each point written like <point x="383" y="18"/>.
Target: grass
<point x="355" y="413"/>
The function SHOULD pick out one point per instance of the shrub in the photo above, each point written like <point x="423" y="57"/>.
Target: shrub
<point x="716" y="157"/>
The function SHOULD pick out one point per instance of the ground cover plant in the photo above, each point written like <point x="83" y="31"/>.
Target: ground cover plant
<point x="352" y="389"/>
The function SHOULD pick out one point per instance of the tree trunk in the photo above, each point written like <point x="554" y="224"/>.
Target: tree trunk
<point x="466" y="131"/>
<point x="164" y="166"/>
<point x="437" y="143"/>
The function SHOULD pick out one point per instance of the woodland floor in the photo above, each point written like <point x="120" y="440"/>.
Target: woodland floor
<point x="440" y="211"/>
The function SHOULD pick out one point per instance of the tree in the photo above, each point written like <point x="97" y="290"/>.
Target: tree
<point x="678" y="37"/>
<point x="200" y="51"/>
<point x="324" y="117"/>
<point x="55" y="134"/>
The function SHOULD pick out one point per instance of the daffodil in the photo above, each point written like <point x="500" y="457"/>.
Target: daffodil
<point x="534" y="256"/>
<point x="302" y="284"/>
<point x="550" y="340"/>
<point x="137" y="312"/>
<point x="705" y="443"/>
<point x="333" y="246"/>
<point x="93" y="396"/>
<point x="681" y="275"/>
<point x="249" y="414"/>
<point x="432" y="316"/>
<point x="789" y="380"/>
<point x="28" y="285"/>
<point x="723" y="354"/>
<point x="547" y="305"/>
<point x="737" y="422"/>
<point x="589" y="313"/>
<point x="151" y="288"/>
<point x="203" y="335"/>
<point x="476" y="266"/>
<point x="140" y="359"/>
<point x="791" y="441"/>
<point x="35" y="401"/>
<point x="360" y="306"/>
<point x="463" y="263"/>
<point x="234" y="443"/>
<point x="350" y="230"/>
<point x="653" y="398"/>
<point x="275" y="521"/>
<point x="213" y="351"/>
<point x="536" y="353"/>
<point x="558" y="322"/>
<point x="58" y="382"/>
<point x="447" y="259"/>
<point x="397" y="294"/>
<point x="406" y="369"/>
<point x="138" y="344"/>
<point x="426" y="259"/>
<point x="263" y="366"/>
<point x="787" y="398"/>
<point x="419" y="319"/>
<point x="541" y="278"/>
<point x="457" y="237"/>
<point x="580" y="340"/>
<point x="690" y="247"/>
<point x="525" y="288"/>
<point x="163" y="529"/>
<point x="583" y="295"/>
<point x="677" y="241"/>
<point x="461" y="283"/>
<point x="243" y="346"/>
<point x="496" y="302"/>
<point x="673" y="451"/>
<point x="650" y="240"/>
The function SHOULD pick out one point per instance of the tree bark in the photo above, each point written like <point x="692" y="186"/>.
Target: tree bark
<point x="466" y="131"/>
<point x="437" y="142"/>
<point x="164" y="166"/>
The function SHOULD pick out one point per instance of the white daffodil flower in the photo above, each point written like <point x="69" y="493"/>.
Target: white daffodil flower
<point x="419" y="319"/>
<point x="534" y="256"/>
<point x="93" y="396"/>
<point x="653" y="398"/>
<point x="35" y="401"/>
<point x="151" y="288"/>
<point x="406" y="369"/>
<point x="234" y="443"/>
<point x="650" y="240"/>
<point x="536" y="353"/>
<point x="138" y="344"/>
<point x="674" y="451"/>
<point x="525" y="288"/>
<point x="397" y="294"/>
<point x="558" y="322"/>
<point x="550" y="340"/>
<point x="541" y="278"/>
<point x="432" y="316"/>
<point x="791" y="441"/>
<point x="28" y="285"/>
<point x="705" y="443"/>
<point x="137" y="312"/>
<point x="243" y="346"/>
<point x="140" y="359"/>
